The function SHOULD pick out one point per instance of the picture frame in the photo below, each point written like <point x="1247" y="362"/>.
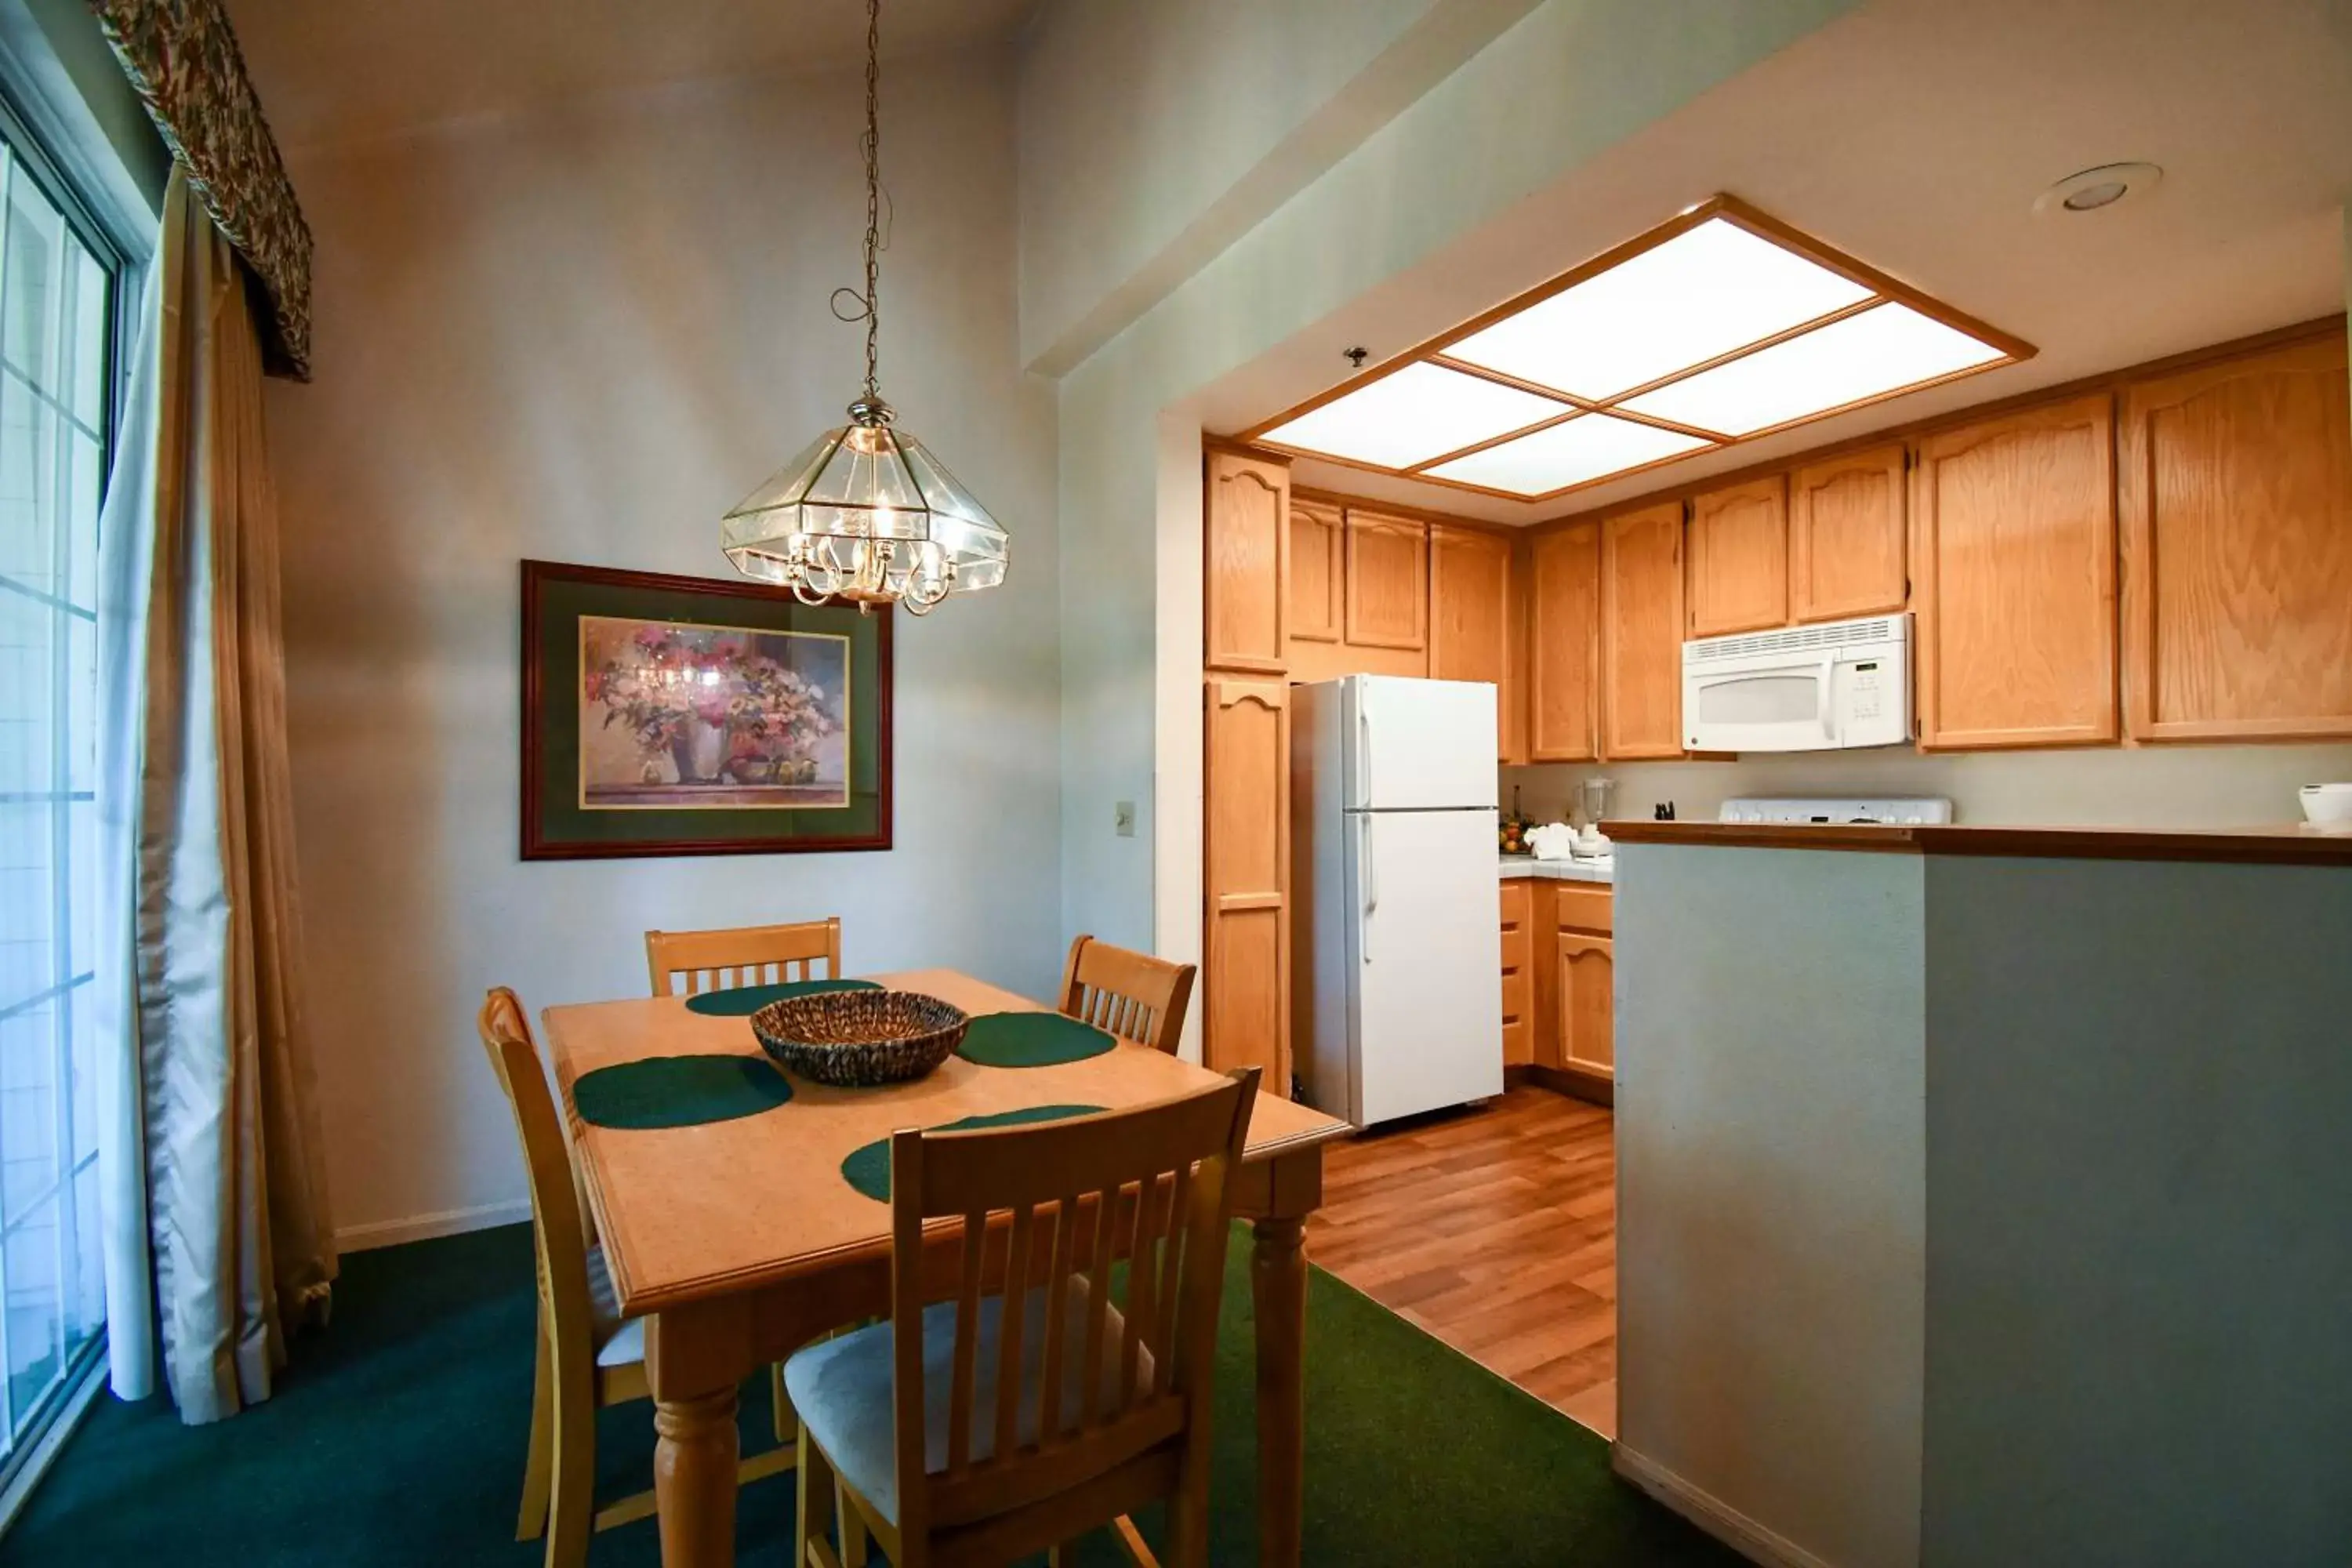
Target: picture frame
<point x="667" y="716"/>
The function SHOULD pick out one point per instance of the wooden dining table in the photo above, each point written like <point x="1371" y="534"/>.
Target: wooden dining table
<point x="741" y="1241"/>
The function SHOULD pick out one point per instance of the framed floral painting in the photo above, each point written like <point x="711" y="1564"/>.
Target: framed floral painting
<point x="686" y="716"/>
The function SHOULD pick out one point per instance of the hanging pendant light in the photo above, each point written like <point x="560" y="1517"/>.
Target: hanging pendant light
<point x="867" y="513"/>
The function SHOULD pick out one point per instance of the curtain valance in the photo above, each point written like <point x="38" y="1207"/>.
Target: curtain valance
<point x="182" y="57"/>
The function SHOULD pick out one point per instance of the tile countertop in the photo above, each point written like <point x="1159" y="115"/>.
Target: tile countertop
<point x="1556" y="871"/>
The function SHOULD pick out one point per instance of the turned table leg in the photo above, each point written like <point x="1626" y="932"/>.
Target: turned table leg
<point x="1278" y="1285"/>
<point x="694" y="1479"/>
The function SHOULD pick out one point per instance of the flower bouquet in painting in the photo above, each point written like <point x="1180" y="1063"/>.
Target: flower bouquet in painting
<point x="675" y="715"/>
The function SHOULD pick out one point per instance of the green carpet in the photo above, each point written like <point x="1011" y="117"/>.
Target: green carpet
<point x="396" y="1439"/>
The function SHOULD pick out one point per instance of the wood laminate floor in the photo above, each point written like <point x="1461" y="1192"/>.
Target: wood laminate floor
<point x="1496" y="1229"/>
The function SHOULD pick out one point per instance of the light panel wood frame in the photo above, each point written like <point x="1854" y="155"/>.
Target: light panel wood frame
<point x="1883" y="289"/>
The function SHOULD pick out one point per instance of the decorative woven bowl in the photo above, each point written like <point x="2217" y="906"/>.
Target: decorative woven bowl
<point x="856" y="1039"/>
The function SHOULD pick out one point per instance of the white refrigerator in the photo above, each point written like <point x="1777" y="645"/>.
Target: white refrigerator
<point x="1392" y="835"/>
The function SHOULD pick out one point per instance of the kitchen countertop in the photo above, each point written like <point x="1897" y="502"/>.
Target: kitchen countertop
<point x="2286" y="845"/>
<point x="1515" y="866"/>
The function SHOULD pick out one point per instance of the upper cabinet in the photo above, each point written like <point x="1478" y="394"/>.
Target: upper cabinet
<point x="1563" y="621"/>
<point x="2014" y="560"/>
<point x="1739" y="558"/>
<point x="1245" y="581"/>
<point x="1846" y="545"/>
<point x="2236" y="489"/>
<point x="1642" y="633"/>
<point x="1317" y="570"/>
<point x="1388" y="581"/>
<point x="1470" y="617"/>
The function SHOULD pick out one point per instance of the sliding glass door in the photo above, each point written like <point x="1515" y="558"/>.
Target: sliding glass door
<point x="57" y="302"/>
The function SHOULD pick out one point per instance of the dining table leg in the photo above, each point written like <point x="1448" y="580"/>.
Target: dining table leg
<point x="695" y="1447"/>
<point x="1278" y="1288"/>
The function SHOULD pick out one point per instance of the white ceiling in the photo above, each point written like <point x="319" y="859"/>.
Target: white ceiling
<point x="333" y="71"/>
<point x="1914" y="135"/>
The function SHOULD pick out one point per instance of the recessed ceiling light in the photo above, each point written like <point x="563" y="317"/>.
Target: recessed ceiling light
<point x="1583" y="448"/>
<point x="1421" y="412"/>
<point x="1717" y="326"/>
<point x="2094" y="189"/>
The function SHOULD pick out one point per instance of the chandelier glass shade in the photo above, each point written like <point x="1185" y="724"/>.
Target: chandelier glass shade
<point x="866" y="514"/>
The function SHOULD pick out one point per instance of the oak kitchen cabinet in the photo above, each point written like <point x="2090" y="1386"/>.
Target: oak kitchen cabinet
<point x="1847" y="552"/>
<point x="1245" y="877"/>
<point x="1558" y="1014"/>
<point x="1317" y="571"/>
<point x="1642" y="633"/>
<point x="1519" y="974"/>
<point x="1387" y="597"/>
<point x="1472" y="623"/>
<point x="2235" y="484"/>
<point x="2014" y="559"/>
<point x="1563" y="622"/>
<point x="1246" y="578"/>
<point x="1738" y="544"/>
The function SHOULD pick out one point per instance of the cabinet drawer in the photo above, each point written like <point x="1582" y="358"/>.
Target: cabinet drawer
<point x="1515" y="904"/>
<point x="1518" y="1018"/>
<point x="1584" y="909"/>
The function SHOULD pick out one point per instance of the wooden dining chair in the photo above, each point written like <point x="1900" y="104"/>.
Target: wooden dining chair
<point x="589" y="1356"/>
<point x="703" y="960"/>
<point x="984" y="1428"/>
<point x="1132" y="995"/>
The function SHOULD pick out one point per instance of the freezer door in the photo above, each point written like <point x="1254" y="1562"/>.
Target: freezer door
<point x="1425" y="957"/>
<point x="1419" y="745"/>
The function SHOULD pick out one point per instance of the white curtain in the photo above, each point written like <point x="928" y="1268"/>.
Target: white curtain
<point x="213" y="1191"/>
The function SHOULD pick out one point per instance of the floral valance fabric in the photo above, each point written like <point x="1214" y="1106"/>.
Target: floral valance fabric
<point x="182" y="57"/>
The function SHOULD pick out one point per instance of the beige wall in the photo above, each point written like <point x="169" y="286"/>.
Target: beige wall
<point x="580" y="336"/>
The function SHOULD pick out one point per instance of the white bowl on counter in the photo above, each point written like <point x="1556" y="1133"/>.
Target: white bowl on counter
<point x="2328" y="807"/>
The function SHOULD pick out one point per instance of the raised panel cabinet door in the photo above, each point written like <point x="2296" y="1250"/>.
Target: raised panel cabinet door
<point x="1563" y="620"/>
<point x="1641" y="633"/>
<point x="2236" y="489"/>
<point x="1316" y="571"/>
<point x="1246" y="977"/>
<point x="1246" y="538"/>
<point x="2014" y="569"/>
<point x="1470" y="619"/>
<point x="1388" y="580"/>
<point x="1846" y="537"/>
<point x="1588" y="1008"/>
<point x="1739" y="558"/>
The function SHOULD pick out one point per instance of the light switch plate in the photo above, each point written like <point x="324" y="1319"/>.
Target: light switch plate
<point x="1122" y="819"/>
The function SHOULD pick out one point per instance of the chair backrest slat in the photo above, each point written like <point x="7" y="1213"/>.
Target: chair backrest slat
<point x="1132" y="994"/>
<point x="1047" y="1213"/>
<point x="689" y="962"/>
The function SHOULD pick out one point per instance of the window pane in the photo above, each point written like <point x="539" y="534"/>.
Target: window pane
<point x="57" y="320"/>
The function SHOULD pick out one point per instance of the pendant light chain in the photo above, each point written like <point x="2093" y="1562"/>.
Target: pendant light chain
<point x="872" y="198"/>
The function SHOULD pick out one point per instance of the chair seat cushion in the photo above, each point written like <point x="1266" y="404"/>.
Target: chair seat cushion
<point x="620" y="1341"/>
<point x="842" y="1387"/>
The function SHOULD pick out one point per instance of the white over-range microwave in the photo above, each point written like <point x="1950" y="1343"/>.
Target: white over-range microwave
<point x="1801" y="688"/>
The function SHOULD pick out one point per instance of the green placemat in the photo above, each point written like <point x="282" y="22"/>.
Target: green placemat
<point x="867" y="1169"/>
<point x="745" y="1000"/>
<point x="679" y="1091"/>
<point x="1030" y="1041"/>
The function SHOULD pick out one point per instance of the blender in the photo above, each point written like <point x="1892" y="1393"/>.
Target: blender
<point x="1589" y="843"/>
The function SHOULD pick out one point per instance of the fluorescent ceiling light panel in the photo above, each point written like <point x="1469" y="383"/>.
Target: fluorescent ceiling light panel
<point x="1419" y="412"/>
<point x="1698" y="296"/>
<point x="1883" y="350"/>
<point x="1590" y="447"/>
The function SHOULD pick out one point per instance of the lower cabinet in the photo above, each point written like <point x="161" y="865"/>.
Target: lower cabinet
<point x="1587" y="1010"/>
<point x="1518" y="977"/>
<point x="1558" y="981"/>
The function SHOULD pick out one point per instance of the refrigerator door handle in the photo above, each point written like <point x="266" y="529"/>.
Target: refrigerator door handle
<point x="1366" y="876"/>
<point x="1363" y="751"/>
